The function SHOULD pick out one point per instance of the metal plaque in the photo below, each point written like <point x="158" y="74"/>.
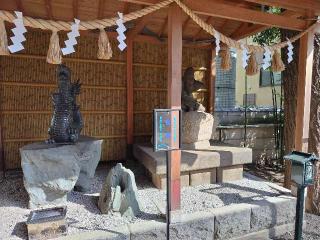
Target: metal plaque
<point x="166" y="129"/>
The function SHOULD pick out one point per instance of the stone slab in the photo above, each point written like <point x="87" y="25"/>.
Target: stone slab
<point x="205" y="144"/>
<point x="205" y="176"/>
<point x="232" y="173"/>
<point x="160" y="181"/>
<point x="214" y="156"/>
<point x="52" y="170"/>
<point x="120" y="233"/>
<point x="232" y="221"/>
<point x="273" y="211"/>
<point x="267" y="234"/>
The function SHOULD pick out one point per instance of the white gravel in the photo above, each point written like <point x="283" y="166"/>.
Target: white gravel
<point x="83" y="214"/>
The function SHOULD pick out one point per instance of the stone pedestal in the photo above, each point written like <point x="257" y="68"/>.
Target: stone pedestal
<point x="52" y="170"/>
<point x="197" y="128"/>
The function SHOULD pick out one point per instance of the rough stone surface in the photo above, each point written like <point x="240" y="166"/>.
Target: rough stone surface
<point x="119" y="192"/>
<point x="196" y="126"/>
<point x="51" y="171"/>
<point x="196" y="145"/>
<point x="232" y="221"/>
<point x="160" y="181"/>
<point x="153" y="230"/>
<point x="196" y="226"/>
<point x="273" y="211"/>
<point x="232" y="173"/>
<point x="221" y="155"/>
<point x="203" y="177"/>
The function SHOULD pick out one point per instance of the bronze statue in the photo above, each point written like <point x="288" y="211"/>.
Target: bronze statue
<point x="66" y="123"/>
<point x="190" y="85"/>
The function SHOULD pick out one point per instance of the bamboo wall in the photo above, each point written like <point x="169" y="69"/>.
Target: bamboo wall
<point x="27" y="81"/>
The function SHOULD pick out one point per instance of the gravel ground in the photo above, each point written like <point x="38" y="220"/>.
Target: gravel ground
<point x="83" y="214"/>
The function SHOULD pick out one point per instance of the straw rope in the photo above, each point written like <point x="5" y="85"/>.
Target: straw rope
<point x="84" y="25"/>
<point x="56" y="26"/>
<point x="232" y="43"/>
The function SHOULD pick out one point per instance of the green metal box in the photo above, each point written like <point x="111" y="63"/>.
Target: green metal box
<point x="302" y="167"/>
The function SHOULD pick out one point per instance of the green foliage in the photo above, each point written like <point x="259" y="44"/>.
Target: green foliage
<point x="271" y="35"/>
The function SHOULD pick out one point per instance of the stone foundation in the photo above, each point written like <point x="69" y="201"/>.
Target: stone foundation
<point x="219" y="163"/>
<point x="262" y="219"/>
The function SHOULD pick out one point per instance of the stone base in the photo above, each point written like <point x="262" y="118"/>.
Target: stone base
<point x="52" y="170"/>
<point x="216" y="163"/>
<point x="264" y="219"/>
<point x="160" y="181"/>
<point x="232" y="173"/>
<point x="205" y="144"/>
<point x="200" y="177"/>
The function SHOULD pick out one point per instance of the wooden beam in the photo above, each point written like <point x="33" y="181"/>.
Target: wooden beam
<point x="212" y="81"/>
<point x="140" y="25"/>
<point x="49" y="9"/>
<point x="19" y="6"/>
<point x="295" y="5"/>
<point x="75" y="8"/>
<point x="305" y="67"/>
<point x="200" y="30"/>
<point x="174" y="97"/>
<point x="256" y="28"/>
<point x="229" y="11"/>
<point x="101" y="9"/>
<point x="163" y="27"/>
<point x="185" y="24"/>
<point x="129" y="96"/>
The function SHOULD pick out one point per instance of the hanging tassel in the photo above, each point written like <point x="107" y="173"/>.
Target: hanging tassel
<point x="277" y="64"/>
<point x="253" y="66"/>
<point x="3" y="39"/>
<point x="225" y="59"/>
<point x="105" y="50"/>
<point x="54" y="51"/>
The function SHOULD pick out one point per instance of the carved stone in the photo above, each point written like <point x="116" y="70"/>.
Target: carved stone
<point x="190" y="85"/>
<point x="119" y="193"/>
<point x="51" y="171"/>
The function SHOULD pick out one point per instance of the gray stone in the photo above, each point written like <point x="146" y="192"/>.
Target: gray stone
<point x="51" y="171"/>
<point x="272" y="211"/>
<point x="195" y="226"/>
<point x="119" y="192"/>
<point x="152" y="230"/>
<point x="196" y="126"/>
<point x="232" y="221"/>
<point x="88" y="154"/>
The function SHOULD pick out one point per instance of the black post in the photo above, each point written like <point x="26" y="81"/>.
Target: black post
<point x="299" y="213"/>
<point x="168" y="220"/>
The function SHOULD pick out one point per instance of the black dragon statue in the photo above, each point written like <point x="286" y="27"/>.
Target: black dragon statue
<point x="66" y="122"/>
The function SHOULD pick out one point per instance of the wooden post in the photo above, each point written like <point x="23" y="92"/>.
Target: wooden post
<point x="212" y="81"/>
<point x="303" y="101"/>
<point x="174" y="96"/>
<point x="129" y="96"/>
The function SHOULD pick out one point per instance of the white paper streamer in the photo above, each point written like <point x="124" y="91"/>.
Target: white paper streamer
<point x="217" y="37"/>
<point x="18" y="32"/>
<point x="120" y="30"/>
<point x="290" y="52"/>
<point x="245" y="56"/>
<point x="71" y="41"/>
<point x="266" y="58"/>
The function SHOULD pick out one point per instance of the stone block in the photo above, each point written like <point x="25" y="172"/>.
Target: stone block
<point x="232" y="173"/>
<point x="151" y="230"/>
<point x="119" y="233"/>
<point x="272" y="211"/>
<point x="267" y="234"/>
<point x="160" y="181"/>
<point x="205" y="144"/>
<point x="194" y="226"/>
<point x="231" y="221"/>
<point x="196" y="126"/>
<point x="206" y="176"/>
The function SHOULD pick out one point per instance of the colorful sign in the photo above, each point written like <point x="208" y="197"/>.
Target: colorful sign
<point x="166" y="129"/>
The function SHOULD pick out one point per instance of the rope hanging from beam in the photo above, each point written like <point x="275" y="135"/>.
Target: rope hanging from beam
<point x="105" y="52"/>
